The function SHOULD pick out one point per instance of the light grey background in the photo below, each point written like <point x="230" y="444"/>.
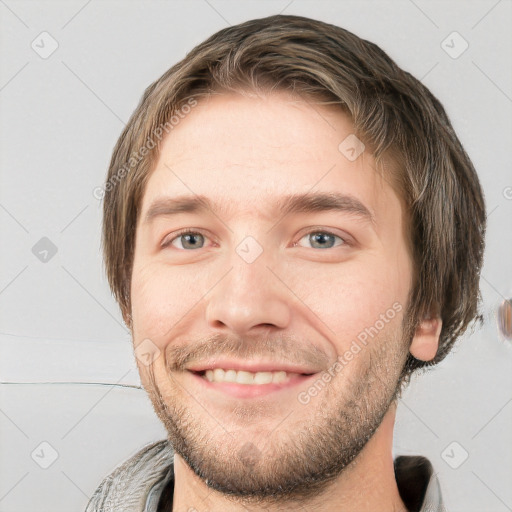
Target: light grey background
<point x="67" y="372"/>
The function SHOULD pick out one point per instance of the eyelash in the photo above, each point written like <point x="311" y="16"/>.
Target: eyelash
<point x="188" y="231"/>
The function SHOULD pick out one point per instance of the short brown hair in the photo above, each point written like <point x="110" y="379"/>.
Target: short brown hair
<point x="393" y="113"/>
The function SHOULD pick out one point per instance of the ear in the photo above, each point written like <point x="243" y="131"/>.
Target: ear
<point x="426" y="338"/>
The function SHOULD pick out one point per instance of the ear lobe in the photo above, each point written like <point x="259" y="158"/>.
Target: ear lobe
<point x="426" y="339"/>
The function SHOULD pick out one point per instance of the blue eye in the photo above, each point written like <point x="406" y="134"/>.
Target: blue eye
<point x="189" y="240"/>
<point x="323" y="239"/>
<point x="196" y="240"/>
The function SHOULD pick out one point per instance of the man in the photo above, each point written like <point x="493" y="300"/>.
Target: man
<point x="291" y="229"/>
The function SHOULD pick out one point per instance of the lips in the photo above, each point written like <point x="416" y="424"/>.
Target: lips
<point x="252" y="366"/>
<point x="249" y="379"/>
<point x="250" y="389"/>
<point x="243" y="377"/>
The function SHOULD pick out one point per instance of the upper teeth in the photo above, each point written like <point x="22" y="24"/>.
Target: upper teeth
<point x="243" y="377"/>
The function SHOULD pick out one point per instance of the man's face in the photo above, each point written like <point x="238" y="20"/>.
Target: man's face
<point x="257" y="290"/>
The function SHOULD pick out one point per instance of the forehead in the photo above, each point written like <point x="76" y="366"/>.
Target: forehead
<point x="246" y="153"/>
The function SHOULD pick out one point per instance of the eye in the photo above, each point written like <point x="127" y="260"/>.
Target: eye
<point x="322" y="239"/>
<point x="189" y="240"/>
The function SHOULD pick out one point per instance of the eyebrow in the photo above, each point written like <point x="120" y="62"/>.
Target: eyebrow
<point x="294" y="203"/>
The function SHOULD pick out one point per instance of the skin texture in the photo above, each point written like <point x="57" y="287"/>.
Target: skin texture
<point x="298" y="301"/>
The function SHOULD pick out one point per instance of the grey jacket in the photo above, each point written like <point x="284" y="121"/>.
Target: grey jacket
<point x="138" y="484"/>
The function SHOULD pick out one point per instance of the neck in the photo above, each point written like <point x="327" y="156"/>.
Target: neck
<point x="366" y="485"/>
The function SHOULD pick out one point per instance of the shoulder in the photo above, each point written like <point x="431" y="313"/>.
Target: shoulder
<point x="417" y="483"/>
<point x="126" y="488"/>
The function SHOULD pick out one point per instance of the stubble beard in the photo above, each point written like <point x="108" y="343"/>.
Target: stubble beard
<point x="305" y="452"/>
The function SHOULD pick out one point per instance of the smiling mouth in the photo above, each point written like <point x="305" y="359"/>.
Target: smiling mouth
<point x="245" y="379"/>
<point x="219" y="375"/>
<point x="239" y="379"/>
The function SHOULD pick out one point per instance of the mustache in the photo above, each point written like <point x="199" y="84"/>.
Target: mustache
<point x="283" y="348"/>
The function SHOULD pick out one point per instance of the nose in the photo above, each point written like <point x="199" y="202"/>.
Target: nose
<point x="249" y="297"/>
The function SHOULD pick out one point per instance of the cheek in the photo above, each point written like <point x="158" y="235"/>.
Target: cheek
<point x="160" y="300"/>
<point x="352" y="298"/>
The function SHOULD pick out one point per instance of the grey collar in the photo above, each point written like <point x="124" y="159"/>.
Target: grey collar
<point x="138" y="484"/>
